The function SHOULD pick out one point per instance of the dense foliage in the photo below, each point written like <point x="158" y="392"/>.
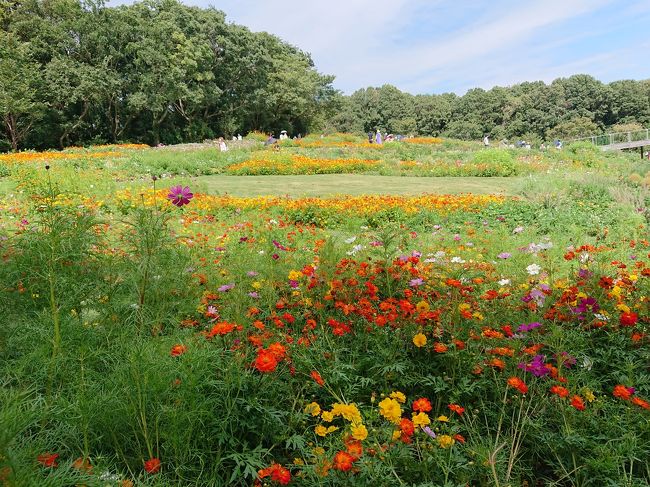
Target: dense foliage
<point x="75" y="72"/>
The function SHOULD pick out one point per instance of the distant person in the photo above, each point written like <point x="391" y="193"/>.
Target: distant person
<point x="271" y="140"/>
<point x="283" y="135"/>
<point x="222" y="145"/>
<point x="234" y="138"/>
<point x="239" y="137"/>
<point x="558" y="144"/>
<point x="486" y="140"/>
<point x="542" y="147"/>
<point x="378" y="137"/>
<point x="370" y="137"/>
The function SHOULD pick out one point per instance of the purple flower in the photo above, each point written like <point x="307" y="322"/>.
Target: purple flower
<point x="536" y="366"/>
<point x="278" y="245"/>
<point x="584" y="273"/>
<point x="428" y="431"/>
<point x="243" y="239"/>
<point x="275" y="256"/>
<point x="457" y="237"/>
<point x="254" y="295"/>
<point x="293" y="283"/>
<point x="376" y="243"/>
<point x="226" y="287"/>
<point x="179" y="196"/>
<point x="529" y="326"/>
<point x="252" y="273"/>
<point x="416" y="282"/>
<point x="504" y="255"/>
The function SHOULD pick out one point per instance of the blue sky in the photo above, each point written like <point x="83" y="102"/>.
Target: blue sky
<point x="438" y="46"/>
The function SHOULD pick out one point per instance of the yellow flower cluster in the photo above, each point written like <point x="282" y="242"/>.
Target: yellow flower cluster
<point x="297" y="164"/>
<point x="391" y="410"/>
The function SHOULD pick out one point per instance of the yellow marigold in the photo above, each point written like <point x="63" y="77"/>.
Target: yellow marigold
<point x="443" y="419"/>
<point x="398" y="396"/>
<point x="589" y="395"/>
<point x="321" y="430"/>
<point x="327" y="416"/>
<point x="421" y="419"/>
<point x="396" y="435"/>
<point x="312" y="408"/>
<point x="419" y="340"/>
<point x="295" y="275"/>
<point x="348" y="411"/>
<point x="445" y="441"/>
<point x="391" y="410"/>
<point x="422" y="307"/>
<point x="359" y="432"/>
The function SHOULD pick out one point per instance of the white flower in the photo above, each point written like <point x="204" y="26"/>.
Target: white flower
<point x="457" y="260"/>
<point x="439" y="254"/>
<point x="273" y="222"/>
<point x="504" y="282"/>
<point x="261" y="252"/>
<point x="584" y="257"/>
<point x="355" y="249"/>
<point x="518" y="230"/>
<point x="350" y="240"/>
<point x="533" y="269"/>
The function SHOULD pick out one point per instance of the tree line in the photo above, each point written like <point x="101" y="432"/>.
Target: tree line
<point x="75" y="72"/>
<point x="576" y="106"/>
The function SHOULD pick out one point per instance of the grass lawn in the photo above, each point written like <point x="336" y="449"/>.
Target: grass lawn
<point x="6" y="186"/>
<point x="354" y="184"/>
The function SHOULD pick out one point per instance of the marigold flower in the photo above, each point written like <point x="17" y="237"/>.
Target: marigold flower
<point x="278" y="350"/>
<point x="82" y="464"/>
<point x="641" y="403"/>
<point x="563" y="392"/>
<point x="623" y="392"/>
<point x="440" y="347"/>
<point x="518" y="384"/>
<point x="443" y="419"/>
<point x="312" y="408"/>
<point x="421" y="419"/>
<point x="343" y="461"/>
<point x="445" y="441"/>
<point x="628" y="319"/>
<point x="354" y="448"/>
<point x="578" y="403"/>
<point x="327" y="416"/>
<point x="457" y="409"/>
<point x="419" y="340"/>
<point x="359" y="432"/>
<point x="317" y="378"/>
<point x="422" y="405"/>
<point x="398" y="396"/>
<point x="348" y="411"/>
<point x="178" y="350"/>
<point x="265" y="361"/>
<point x="407" y="427"/>
<point x="221" y="328"/>
<point x="152" y="465"/>
<point x="321" y="430"/>
<point x="391" y="410"/>
<point x="48" y="460"/>
<point x="277" y="473"/>
<point x="459" y="438"/>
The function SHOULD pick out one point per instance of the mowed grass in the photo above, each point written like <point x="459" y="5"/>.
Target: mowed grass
<point x="353" y="184"/>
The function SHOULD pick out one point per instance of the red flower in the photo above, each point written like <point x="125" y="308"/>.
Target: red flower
<point x="317" y="378"/>
<point x="222" y="328"/>
<point x="628" y="319"/>
<point x="277" y="473"/>
<point x="178" y="350"/>
<point x="440" y="347"/>
<point x="623" y="392"/>
<point x="518" y="384"/>
<point x="460" y="439"/>
<point x="406" y="426"/>
<point x="641" y="403"/>
<point x="343" y="461"/>
<point x="560" y="391"/>
<point x="422" y="405"/>
<point x="457" y="409"/>
<point x="48" y="460"/>
<point x="265" y="361"/>
<point x="578" y="403"/>
<point x="278" y="350"/>
<point x="152" y="466"/>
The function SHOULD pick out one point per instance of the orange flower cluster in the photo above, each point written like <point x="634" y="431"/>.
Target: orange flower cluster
<point x="27" y="157"/>
<point x="627" y="394"/>
<point x="347" y="205"/>
<point x="276" y="472"/>
<point x="424" y="140"/>
<point x="297" y="164"/>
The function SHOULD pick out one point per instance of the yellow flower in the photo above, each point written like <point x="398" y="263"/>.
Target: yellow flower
<point x="623" y="308"/>
<point x="319" y="451"/>
<point x="327" y="416"/>
<point x="321" y="430"/>
<point x="396" y="435"/>
<point x="398" y="396"/>
<point x="443" y="419"/>
<point x="421" y="419"/>
<point x="463" y="307"/>
<point x="359" y="432"/>
<point x="348" y="411"/>
<point x="445" y="441"/>
<point x="589" y="395"/>
<point x="295" y="275"/>
<point x="256" y="285"/>
<point x="298" y="461"/>
<point x="390" y="409"/>
<point x="419" y="340"/>
<point x="312" y="408"/>
<point x="422" y="307"/>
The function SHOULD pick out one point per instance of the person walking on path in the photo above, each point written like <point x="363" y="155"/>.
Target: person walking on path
<point x="486" y="140"/>
<point x="378" y="137"/>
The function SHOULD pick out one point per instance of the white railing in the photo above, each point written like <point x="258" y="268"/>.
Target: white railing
<point x="617" y="137"/>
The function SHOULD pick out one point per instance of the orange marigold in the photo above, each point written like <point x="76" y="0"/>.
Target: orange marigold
<point x="518" y="384"/>
<point x="317" y="378"/>
<point x="623" y="392"/>
<point x="423" y="405"/>
<point x="343" y="461"/>
<point x="457" y="409"/>
<point x="560" y="391"/>
<point x="578" y="403"/>
<point x="265" y="361"/>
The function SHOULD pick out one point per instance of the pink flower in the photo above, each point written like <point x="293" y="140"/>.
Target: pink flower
<point x="179" y="196"/>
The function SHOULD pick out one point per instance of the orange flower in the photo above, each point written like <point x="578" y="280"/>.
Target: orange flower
<point x="48" y="460"/>
<point x="497" y="363"/>
<point x="317" y="378"/>
<point x="343" y="461"/>
<point x="560" y="391"/>
<point x="82" y="464"/>
<point x="265" y="361"/>
<point x="354" y="448"/>
<point x="628" y="319"/>
<point x="460" y="438"/>
<point x="440" y="347"/>
<point x="222" y="328"/>
<point x="278" y="350"/>
<point x="641" y="403"/>
<point x="406" y="427"/>
<point x="457" y="409"/>
<point x="518" y="384"/>
<point x="277" y="473"/>
<point x="423" y="405"/>
<point x="152" y="465"/>
<point x="623" y="392"/>
<point x="178" y="350"/>
<point x="578" y="403"/>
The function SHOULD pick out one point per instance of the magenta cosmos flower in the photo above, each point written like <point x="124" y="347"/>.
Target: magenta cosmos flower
<point x="179" y="196"/>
